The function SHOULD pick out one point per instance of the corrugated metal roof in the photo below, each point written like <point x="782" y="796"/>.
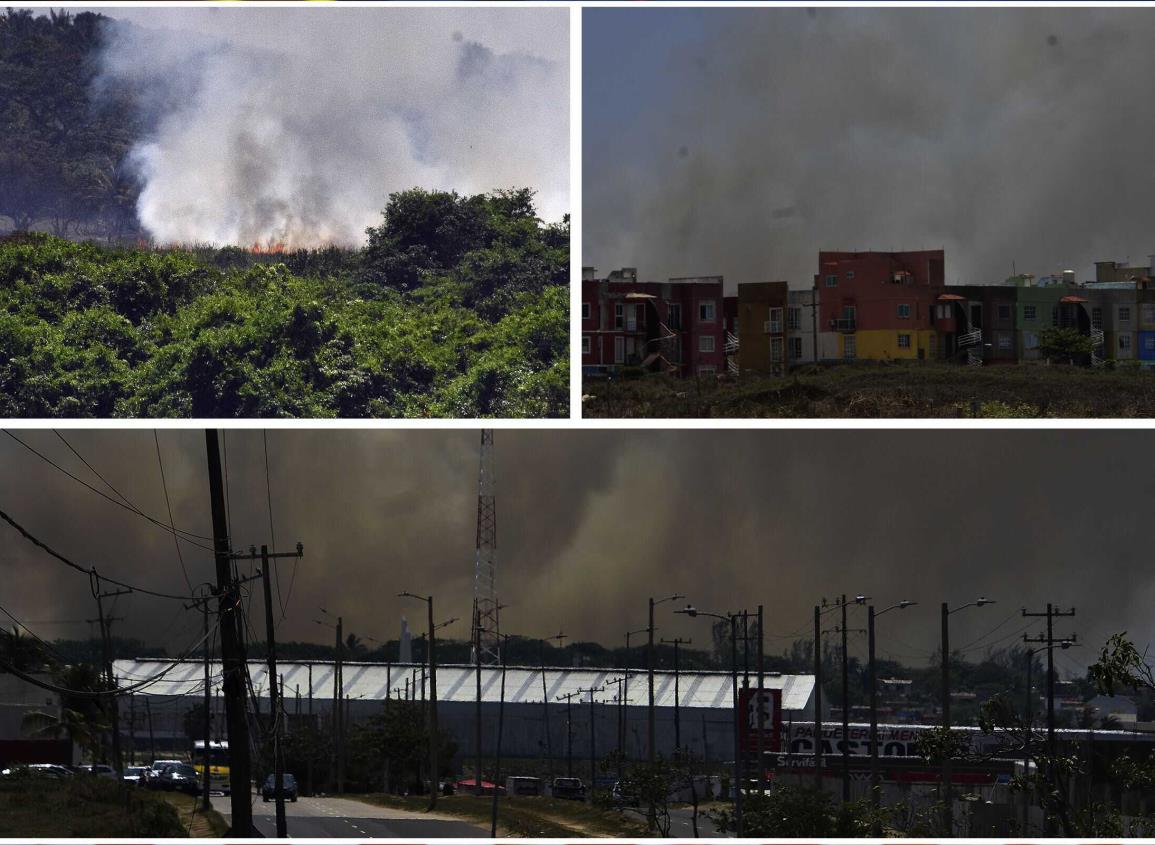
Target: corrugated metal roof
<point x="371" y="681"/>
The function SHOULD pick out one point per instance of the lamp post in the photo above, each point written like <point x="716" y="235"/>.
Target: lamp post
<point x="875" y="786"/>
<point x="434" y="779"/>
<point x="732" y="618"/>
<point x="948" y="798"/>
<point x="650" y="672"/>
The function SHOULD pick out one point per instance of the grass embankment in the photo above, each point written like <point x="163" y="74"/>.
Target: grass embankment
<point x="524" y="816"/>
<point x="884" y="390"/>
<point x="197" y="823"/>
<point x="84" y="806"/>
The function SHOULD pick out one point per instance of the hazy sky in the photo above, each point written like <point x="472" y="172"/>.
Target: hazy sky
<point x="743" y="141"/>
<point x="294" y="125"/>
<point x="592" y="523"/>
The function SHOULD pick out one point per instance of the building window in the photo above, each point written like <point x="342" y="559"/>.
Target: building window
<point x="1147" y="312"/>
<point x="904" y="341"/>
<point x="849" y="274"/>
<point x="674" y="316"/>
<point x="832" y="280"/>
<point x="1054" y="315"/>
<point x="1004" y="342"/>
<point x="903" y="310"/>
<point x="707" y="370"/>
<point x="849" y="347"/>
<point x="706" y="343"/>
<point x="1124" y="314"/>
<point x="795" y="348"/>
<point x="585" y="345"/>
<point x="1030" y="312"/>
<point x="794" y="319"/>
<point x="619" y="350"/>
<point x="619" y="315"/>
<point x="774" y="324"/>
<point x="585" y="310"/>
<point x="1149" y="343"/>
<point x="1004" y="312"/>
<point x="1124" y="343"/>
<point x="776" y="350"/>
<point x="1030" y="340"/>
<point x="706" y="312"/>
<point x="1096" y="318"/>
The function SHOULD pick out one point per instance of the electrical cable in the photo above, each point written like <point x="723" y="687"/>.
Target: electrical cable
<point x="90" y="571"/>
<point x="186" y="535"/>
<point x="168" y="506"/>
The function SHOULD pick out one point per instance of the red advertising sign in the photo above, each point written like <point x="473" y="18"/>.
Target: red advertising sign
<point x="760" y="728"/>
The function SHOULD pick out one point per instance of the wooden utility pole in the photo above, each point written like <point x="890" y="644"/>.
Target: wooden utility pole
<point x="106" y="648"/>
<point x="338" y="710"/>
<point x="232" y="653"/>
<point x="676" y="642"/>
<point x="569" y="697"/>
<point x="206" y="775"/>
<point x="276" y="698"/>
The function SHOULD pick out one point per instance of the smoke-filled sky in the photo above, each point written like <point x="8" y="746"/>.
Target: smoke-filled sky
<point x="592" y="523"/>
<point x="743" y="141"/>
<point x="294" y="125"/>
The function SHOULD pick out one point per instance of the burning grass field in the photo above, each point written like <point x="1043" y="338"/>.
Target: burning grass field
<point x="890" y="390"/>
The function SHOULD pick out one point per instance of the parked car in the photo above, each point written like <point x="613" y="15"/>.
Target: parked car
<point x="135" y="775"/>
<point x="288" y="787"/>
<point x="98" y="769"/>
<point x="43" y="770"/>
<point x="569" y="788"/>
<point x="180" y="777"/>
<point x="520" y="785"/>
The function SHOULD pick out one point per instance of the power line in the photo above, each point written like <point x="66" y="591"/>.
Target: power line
<point x="89" y="571"/>
<point x="168" y="506"/>
<point x="186" y="535"/>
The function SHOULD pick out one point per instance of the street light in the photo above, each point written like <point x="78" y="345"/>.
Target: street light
<point x="875" y="787"/>
<point x="948" y="808"/>
<point x="650" y="672"/>
<point x="693" y="613"/>
<point x="434" y="774"/>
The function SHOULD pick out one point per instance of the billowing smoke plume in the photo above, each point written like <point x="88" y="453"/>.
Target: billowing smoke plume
<point x="743" y="141"/>
<point x="292" y="126"/>
<point x="592" y="523"/>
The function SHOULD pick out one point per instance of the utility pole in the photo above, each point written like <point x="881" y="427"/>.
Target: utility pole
<point x="651" y="731"/>
<point x="431" y="716"/>
<point x="276" y="698"/>
<point x="151" y="736"/>
<point x="845" y="710"/>
<point x="875" y="782"/>
<point x="504" y="643"/>
<point x="339" y="708"/>
<point x="110" y="676"/>
<point x="593" y="749"/>
<point x="621" y="708"/>
<point x="817" y="698"/>
<point x="1050" y="641"/>
<point x="569" y="697"/>
<point x="758" y="741"/>
<point x="206" y="775"/>
<point x="232" y="653"/>
<point x="477" y="680"/>
<point x="677" y="641"/>
<point x="560" y="637"/>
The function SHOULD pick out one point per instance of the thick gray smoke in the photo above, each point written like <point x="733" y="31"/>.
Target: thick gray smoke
<point x="1009" y="137"/>
<point x="592" y="523"/>
<point x="292" y="126"/>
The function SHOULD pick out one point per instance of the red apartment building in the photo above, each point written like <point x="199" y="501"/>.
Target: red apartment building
<point x="676" y="326"/>
<point x="881" y="304"/>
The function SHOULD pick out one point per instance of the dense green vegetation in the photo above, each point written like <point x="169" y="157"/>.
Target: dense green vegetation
<point x="458" y="307"/>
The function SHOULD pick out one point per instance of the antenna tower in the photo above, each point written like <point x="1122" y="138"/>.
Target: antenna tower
<point x="487" y="636"/>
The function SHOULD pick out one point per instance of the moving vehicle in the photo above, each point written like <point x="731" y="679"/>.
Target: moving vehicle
<point x="218" y="761"/>
<point x="288" y="788"/>
<point x="180" y="778"/>
<point x="569" y="788"/>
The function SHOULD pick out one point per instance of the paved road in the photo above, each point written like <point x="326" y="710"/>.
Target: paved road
<point x="326" y="818"/>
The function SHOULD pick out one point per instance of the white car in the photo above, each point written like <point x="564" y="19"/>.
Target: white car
<point x="48" y="770"/>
